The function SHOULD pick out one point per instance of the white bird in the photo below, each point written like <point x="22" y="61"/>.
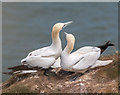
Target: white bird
<point x="82" y="59"/>
<point x="47" y="56"/>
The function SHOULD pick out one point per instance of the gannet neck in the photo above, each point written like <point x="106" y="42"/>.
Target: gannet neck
<point x="69" y="47"/>
<point x="55" y="37"/>
<point x="70" y="43"/>
<point x="55" y="33"/>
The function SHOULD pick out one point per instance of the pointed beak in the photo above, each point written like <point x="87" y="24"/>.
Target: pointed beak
<point x="67" y="23"/>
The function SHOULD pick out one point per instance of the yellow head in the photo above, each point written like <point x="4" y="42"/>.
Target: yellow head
<point x="59" y="26"/>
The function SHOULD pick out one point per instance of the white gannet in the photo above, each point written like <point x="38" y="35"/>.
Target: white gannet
<point x="84" y="58"/>
<point x="47" y="56"/>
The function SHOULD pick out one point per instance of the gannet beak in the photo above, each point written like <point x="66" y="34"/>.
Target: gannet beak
<point x="67" y="23"/>
<point x="65" y="33"/>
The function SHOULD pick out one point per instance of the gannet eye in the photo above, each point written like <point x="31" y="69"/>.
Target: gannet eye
<point x="30" y="54"/>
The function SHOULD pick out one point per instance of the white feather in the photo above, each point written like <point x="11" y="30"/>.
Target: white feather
<point x="101" y="63"/>
<point x="81" y="59"/>
<point x="46" y="57"/>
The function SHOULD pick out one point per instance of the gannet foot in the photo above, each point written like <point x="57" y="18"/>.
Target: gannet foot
<point x="48" y="72"/>
<point x="88" y="70"/>
<point x="45" y="72"/>
<point x="66" y="72"/>
<point x="58" y="70"/>
<point x="76" y="76"/>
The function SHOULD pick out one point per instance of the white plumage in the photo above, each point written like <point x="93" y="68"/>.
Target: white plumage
<point x="101" y="63"/>
<point x="47" y="56"/>
<point x="83" y="58"/>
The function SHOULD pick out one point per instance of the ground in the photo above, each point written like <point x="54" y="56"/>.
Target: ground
<point x="99" y="80"/>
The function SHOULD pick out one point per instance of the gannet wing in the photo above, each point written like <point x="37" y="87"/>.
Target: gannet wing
<point x="38" y="61"/>
<point x="38" y="51"/>
<point x="101" y="63"/>
<point x="49" y="54"/>
<point x="86" y="61"/>
<point x="84" y="50"/>
<point x="44" y="52"/>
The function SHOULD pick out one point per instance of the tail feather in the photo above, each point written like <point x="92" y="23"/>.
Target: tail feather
<point x="108" y="43"/>
<point x="104" y="47"/>
<point x="101" y="63"/>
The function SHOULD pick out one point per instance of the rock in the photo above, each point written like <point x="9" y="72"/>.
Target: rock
<point x="99" y="80"/>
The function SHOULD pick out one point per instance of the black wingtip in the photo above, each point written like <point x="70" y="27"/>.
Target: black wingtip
<point x="108" y="43"/>
<point x="104" y="47"/>
<point x="111" y="44"/>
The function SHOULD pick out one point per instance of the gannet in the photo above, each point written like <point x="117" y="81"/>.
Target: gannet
<point x="47" y="56"/>
<point x="42" y="58"/>
<point x="84" y="58"/>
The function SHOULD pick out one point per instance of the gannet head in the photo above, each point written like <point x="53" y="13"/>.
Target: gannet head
<point x="59" y="26"/>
